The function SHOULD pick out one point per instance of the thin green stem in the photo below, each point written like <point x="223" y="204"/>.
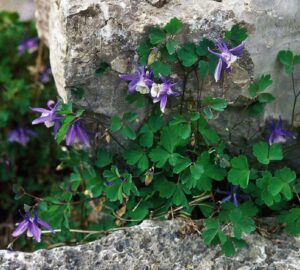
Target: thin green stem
<point x="296" y="95"/>
<point x="183" y="91"/>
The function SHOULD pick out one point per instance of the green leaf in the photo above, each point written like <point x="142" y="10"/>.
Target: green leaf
<point x="203" y="68"/>
<point x="215" y="172"/>
<point x="160" y="68"/>
<point x="144" y="50"/>
<point x="114" y="193"/>
<point x="264" y="82"/>
<point x="259" y="85"/>
<point x="286" y="175"/>
<point x="209" y="135"/>
<point x="196" y="170"/>
<point x="170" y="138"/>
<point x="264" y="185"/>
<point x="210" y="233"/>
<point x="166" y="188"/>
<point x="266" y="98"/>
<point x="239" y="173"/>
<point x="236" y="35"/>
<point x="103" y="69"/>
<point x="188" y="55"/>
<point x="181" y="163"/>
<point x="179" y="197"/>
<point x="159" y="156"/>
<point x="286" y="57"/>
<point x="116" y="123"/>
<point x="104" y="158"/>
<point x="66" y="122"/>
<point x="281" y="183"/>
<point x="228" y="248"/>
<point x="146" y="139"/>
<point x="265" y="153"/>
<point x="174" y="26"/>
<point x="157" y="36"/>
<point x="132" y="156"/>
<point x="130" y="116"/>
<point x="202" y="48"/>
<point x="291" y="220"/>
<point x="172" y="46"/>
<point x="128" y="133"/>
<point x="217" y="104"/>
<point x="296" y="59"/>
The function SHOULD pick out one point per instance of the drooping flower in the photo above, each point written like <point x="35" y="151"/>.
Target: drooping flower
<point x="21" y="135"/>
<point x="277" y="133"/>
<point x="77" y="134"/>
<point x="140" y="80"/>
<point x="29" y="45"/>
<point x="45" y="75"/>
<point x="31" y="224"/>
<point x="49" y="117"/>
<point x="160" y="92"/>
<point x="233" y="195"/>
<point x="226" y="56"/>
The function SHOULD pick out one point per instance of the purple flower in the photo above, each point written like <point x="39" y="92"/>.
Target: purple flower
<point x="21" y="135"/>
<point x="77" y="134"/>
<point x="140" y="81"/>
<point x="233" y="195"/>
<point x="226" y="56"/>
<point x="29" y="44"/>
<point x="45" y="75"/>
<point x="277" y="133"/>
<point x="31" y="225"/>
<point x="49" y="117"/>
<point x="160" y="92"/>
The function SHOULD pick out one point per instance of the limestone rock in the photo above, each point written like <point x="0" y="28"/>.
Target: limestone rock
<point x="25" y="8"/>
<point x="82" y="34"/>
<point x="159" y="245"/>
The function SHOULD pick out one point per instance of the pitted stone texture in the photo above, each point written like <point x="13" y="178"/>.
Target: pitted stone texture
<point x="25" y="8"/>
<point x="82" y="34"/>
<point x="159" y="245"/>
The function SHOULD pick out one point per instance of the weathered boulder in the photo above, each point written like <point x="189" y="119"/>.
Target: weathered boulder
<point x="25" y="8"/>
<point x="82" y="34"/>
<point x="159" y="245"/>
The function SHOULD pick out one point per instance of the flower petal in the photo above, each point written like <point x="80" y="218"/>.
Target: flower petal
<point x="218" y="70"/>
<point x="163" y="103"/>
<point x="34" y="230"/>
<point x="71" y="135"/>
<point x="238" y="50"/>
<point x="44" y="224"/>
<point x="21" y="228"/>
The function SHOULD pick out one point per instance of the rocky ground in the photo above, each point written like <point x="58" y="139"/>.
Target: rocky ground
<point x="159" y="246"/>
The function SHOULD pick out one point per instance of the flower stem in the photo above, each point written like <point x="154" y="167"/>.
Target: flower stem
<point x="183" y="91"/>
<point x="296" y="95"/>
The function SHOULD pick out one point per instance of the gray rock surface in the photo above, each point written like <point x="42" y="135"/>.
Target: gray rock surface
<point x="82" y="34"/>
<point x="159" y="246"/>
<point x="25" y="8"/>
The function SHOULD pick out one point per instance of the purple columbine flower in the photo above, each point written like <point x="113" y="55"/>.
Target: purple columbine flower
<point x="29" y="45"/>
<point x="277" y="133"/>
<point x="45" y="75"/>
<point x="49" y="117"/>
<point x="77" y="134"/>
<point x="160" y="92"/>
<point x="21" y="135"/>
<point x="30" y="224"/>
<point x="226" y="56"/>
<point x="140" y="81"/>
<point x="233" y="195"/>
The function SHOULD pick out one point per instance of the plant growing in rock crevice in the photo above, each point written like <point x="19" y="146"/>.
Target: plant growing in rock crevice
<point x="175" y="164"/>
